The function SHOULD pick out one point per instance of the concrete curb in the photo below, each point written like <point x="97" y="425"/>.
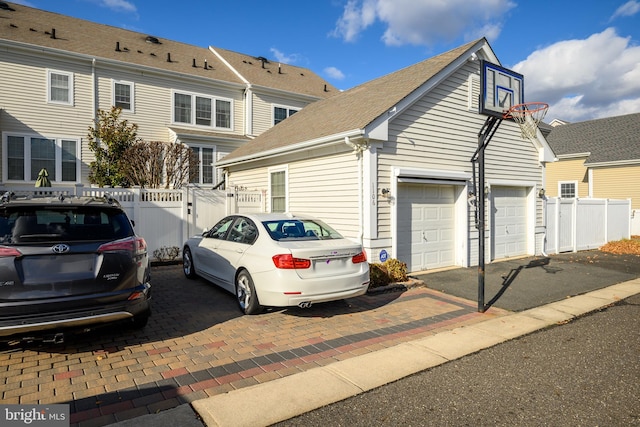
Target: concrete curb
<point x="287" y="397"/>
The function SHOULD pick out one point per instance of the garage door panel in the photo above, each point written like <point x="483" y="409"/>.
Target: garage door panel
<point x="426" y="237"/>
<point x="509" y="222"/>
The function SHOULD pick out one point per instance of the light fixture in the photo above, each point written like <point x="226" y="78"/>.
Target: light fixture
<point x="541" y="193"/>
<point x="385" y="192"/>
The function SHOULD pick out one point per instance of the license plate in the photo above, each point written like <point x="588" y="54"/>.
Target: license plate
<point x="40" y="266"/>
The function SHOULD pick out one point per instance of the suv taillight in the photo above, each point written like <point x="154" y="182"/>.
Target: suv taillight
<point x="6" y="251"/>
<point x="136" y="245"/>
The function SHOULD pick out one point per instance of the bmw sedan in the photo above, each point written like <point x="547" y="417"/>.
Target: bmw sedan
<point x="277" y="260"/>
<point x="69" y="263"/>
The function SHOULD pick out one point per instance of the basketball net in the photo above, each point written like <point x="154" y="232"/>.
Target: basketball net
<point x="528" y="116"/>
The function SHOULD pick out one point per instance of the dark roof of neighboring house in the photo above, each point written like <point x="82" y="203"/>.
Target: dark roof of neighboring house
<point x="64" y="33"/>
<point x="350" y="110"/>
<point x="611" y="139"/>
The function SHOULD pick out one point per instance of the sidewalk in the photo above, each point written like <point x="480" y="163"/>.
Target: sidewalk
<point x="515" y="283"/>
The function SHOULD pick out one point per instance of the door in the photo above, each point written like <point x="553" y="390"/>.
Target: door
<point x="509" y="222"/>
<point x="426" y="226"/>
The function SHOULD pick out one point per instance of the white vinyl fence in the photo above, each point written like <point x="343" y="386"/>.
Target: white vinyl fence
<point x="581" y="224"/>
<point x="165" y="218"/>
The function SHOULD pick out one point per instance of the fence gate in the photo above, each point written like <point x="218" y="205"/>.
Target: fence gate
<point x="583" y="224"/>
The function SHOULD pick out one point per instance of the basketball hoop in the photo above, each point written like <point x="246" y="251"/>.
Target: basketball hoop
<point x="528" y="116"/>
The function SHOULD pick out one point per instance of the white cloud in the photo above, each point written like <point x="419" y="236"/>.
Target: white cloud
<point x="355" y="19"/>
<point x="334" y="73"/>
<point x="423" y="22"/>
<point x="117" y="5"/>
<point x="585" y="78"/>
<point x="630" y="8"/>
<point x="285" y="58"/>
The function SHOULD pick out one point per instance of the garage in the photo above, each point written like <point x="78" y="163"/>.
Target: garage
<point x="509" y="222"/>
<point x="426" y="225"/>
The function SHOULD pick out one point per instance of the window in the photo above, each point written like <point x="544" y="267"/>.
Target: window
<point x="278" y="186"/>
<point x="123" y="95"/>
<point x="43" y="156"/>
<point x="281" y="113"/>
<point x="198" y="110"/>
<point x="27" y="155"/>
<point x="567" y="190"/>
<point x="59" y="87"/>
<point x="206" y="165"/>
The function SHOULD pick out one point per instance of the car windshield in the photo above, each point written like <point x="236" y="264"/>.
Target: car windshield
<point x="300" y="229"/>
<point x="44" y="224"/>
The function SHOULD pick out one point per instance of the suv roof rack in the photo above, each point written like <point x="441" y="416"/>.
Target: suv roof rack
<point x="9" y="196"/>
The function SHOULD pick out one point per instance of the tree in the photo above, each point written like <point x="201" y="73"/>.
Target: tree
<point x="155" y="164"/>
<point x="109" y="139"/>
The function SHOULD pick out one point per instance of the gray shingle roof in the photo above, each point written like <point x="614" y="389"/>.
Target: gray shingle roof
<point x="611" y="139"/>
<point x="35" y="27"/>
<point x="350" y="110"/>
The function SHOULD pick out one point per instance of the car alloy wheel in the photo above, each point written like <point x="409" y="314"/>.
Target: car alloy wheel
<point x="246" y="294"/>
<point x="187" y="264"/>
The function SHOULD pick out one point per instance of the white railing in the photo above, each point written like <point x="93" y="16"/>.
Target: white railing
<point x="165" y="218"/>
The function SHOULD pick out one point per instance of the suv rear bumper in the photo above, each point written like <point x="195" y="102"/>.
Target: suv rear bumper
<point x="87" y="318"/>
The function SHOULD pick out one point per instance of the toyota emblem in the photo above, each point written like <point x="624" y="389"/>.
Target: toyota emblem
<point x="60" y="248"/>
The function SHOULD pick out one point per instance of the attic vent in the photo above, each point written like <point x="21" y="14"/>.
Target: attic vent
<point x="5" y="6"/>
<point x="263" y="60"/>
<point x="153" y="40"/>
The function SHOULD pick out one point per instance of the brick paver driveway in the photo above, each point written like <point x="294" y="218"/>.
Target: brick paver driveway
<point x="197" y="344"/>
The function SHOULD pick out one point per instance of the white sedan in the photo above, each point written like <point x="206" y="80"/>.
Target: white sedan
<point x="277" y="260"/>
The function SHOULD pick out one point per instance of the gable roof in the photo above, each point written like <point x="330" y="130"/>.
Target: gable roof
<point x="26" y="26"/>
<point x="61" y="33"/>
<point x="612" y="139"/>
<point x="350" y="111"/>
<point x="265" y="73"/>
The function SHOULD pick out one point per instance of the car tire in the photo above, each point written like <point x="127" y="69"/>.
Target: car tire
<point x="188" y="267"/>
<point x="246" y="294"/>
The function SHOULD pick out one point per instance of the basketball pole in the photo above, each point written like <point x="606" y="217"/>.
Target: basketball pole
<point x="489" y="128"/>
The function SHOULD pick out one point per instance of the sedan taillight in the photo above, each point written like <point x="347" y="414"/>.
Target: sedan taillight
<point x="361" y="257"/>
<point x="136" y="245"/>
<point x="6" y="251"/>
<point x="288" y="262"/>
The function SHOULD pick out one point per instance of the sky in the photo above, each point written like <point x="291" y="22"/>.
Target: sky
<point x="582" y="57"/>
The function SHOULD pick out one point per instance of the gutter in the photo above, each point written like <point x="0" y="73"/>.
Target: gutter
<point x="332" y="139"/>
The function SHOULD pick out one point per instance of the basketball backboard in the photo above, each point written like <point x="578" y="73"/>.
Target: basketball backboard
<point x="500" y="89"/>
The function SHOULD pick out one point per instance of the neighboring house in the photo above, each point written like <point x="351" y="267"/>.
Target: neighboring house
<point x="597" y="159"/>
<point x="388" y="163"/>
<point x="57" y="71"/>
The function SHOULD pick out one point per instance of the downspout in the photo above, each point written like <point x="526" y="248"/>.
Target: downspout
<point x="248" y="113"/>
<point x="358" y="148"/>
<point x="94" y="91"/>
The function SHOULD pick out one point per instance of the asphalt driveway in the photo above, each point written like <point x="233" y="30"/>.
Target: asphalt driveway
<point x="524" y="283"/>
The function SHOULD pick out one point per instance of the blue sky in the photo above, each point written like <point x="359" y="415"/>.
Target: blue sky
<point x="580" y="56"/>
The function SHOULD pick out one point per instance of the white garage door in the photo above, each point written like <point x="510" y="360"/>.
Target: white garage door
<point x="509" y="222"/>
<point x="426" y="226"/>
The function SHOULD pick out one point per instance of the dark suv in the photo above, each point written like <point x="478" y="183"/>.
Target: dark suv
<point x="69" y="263"/>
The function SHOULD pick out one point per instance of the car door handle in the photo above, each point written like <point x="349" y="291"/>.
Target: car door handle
<point x="239" y="251"/>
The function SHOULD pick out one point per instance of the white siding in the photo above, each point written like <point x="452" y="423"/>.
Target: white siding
<point x="263" y="110"/>
<point x="440" y="132"/>
<point x="323" y="185"/>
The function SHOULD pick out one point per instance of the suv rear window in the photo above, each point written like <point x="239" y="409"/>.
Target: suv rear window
<point x="51" y="224"/>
